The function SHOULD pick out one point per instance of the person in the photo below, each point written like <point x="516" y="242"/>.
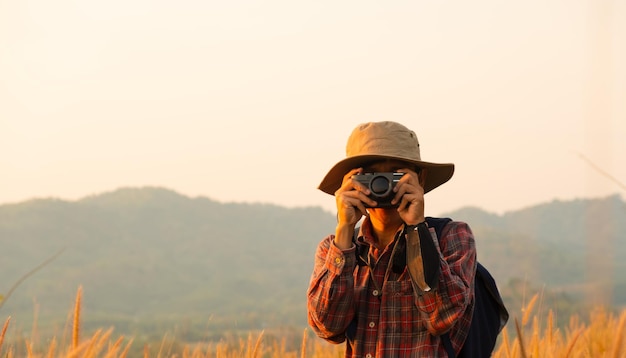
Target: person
<point x="384" y="283"/>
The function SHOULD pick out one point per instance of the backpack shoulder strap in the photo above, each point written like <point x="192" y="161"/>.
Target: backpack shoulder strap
<point x="447" y="344"/>
<point x="361" y="249"/>
<point x="438" y="224"/>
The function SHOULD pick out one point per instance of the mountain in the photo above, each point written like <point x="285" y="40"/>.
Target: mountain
<point x="149" y="259"/>
<point x="154" y="254"/>
<point x="569" y="246"/>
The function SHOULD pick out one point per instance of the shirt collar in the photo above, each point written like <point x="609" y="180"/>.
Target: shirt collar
<point x="366" y="233"/>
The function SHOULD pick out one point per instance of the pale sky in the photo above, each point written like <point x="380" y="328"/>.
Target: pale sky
<point x="252" y="101"/>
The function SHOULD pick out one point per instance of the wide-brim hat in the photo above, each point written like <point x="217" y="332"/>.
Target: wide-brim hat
<point x="374" y="141"/>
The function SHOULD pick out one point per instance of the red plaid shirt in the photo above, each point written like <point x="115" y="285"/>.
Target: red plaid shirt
<point x="344" y="304"/>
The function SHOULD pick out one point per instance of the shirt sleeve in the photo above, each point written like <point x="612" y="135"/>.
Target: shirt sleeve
<point x="449" y="303"/>
<point x="330" y="297"/>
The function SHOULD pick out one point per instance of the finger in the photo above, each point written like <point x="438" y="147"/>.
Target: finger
<point x="357" y="185"/>
<point x="408" y="193"/>
<point x="405" y="202"/>
<point x="361" y="198"/>
<point x="411" y="210"/>
<point x="351" y="173"/>
<point x="408" y="184"/>
<point x="401" y="190"/>
<point x="361" y="208"/>
<point x="354" y="200"/>
<point x="350" y="183"/>
<point x="347" y="213"/>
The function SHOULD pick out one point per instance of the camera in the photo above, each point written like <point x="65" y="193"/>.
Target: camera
<point x="380" y="185"/>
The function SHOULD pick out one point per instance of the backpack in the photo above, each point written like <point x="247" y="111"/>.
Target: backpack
<point x="489" y="316"/>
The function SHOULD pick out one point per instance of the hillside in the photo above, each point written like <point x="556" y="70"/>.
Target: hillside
<point x="553" y="243"/>
<point x="573" y="248"/>
<point x="151" y="253"/>
<point x="149" y="258"/>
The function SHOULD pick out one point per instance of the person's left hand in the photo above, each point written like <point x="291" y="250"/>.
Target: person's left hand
<point x="410" y="194"/>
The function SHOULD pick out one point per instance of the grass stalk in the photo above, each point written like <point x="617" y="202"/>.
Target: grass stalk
<point x="29" y="347"/>
<point x="303" y="352"/>
<point x="76" y="322"/>
<point x="52" y="348"/>
<point x="257" y="345"/>
<point x="126" y="349"/>
<point x="572" y="342"/>
<point x="619" y="341"/>
<point x="4" y="331"/>
<point x="505" y="342"/>
<point x="162" y="346"/>
<point x="112" y="350"/>
<point x="91" y="344"/>
<point x="528" y="309"/>
<point x="34" y="331"/>
<point x="520" y="338"/>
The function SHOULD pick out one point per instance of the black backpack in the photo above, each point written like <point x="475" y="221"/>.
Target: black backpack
<point x="489" y="317"/>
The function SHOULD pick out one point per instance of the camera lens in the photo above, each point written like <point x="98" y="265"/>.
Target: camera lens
<point x="379" y="185"/>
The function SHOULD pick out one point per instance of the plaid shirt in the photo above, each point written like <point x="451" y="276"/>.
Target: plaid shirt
<point x="344" y="303"/>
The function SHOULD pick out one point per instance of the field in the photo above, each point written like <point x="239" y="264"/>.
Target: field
<point x="599" y="334"/>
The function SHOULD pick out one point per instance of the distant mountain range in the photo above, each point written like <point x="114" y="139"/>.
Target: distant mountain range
<point x="150" y="258"/>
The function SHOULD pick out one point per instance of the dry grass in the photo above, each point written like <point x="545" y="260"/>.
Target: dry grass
<point x="602" y="337"/>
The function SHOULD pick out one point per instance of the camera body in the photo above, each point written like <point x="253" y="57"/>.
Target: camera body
<point x="381" y="186"/>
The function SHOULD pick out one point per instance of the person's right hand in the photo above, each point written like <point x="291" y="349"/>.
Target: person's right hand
<point x="351" y="198"/>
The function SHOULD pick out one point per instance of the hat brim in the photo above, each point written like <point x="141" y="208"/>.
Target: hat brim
<point x="437" y="173"/>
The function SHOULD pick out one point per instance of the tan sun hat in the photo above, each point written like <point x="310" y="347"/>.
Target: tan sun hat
<point x="384" y="140"/>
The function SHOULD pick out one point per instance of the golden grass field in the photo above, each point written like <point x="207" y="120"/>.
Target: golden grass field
<point x="601" y="337"/>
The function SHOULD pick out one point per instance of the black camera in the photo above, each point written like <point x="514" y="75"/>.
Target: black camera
<point x="381" y="186"/>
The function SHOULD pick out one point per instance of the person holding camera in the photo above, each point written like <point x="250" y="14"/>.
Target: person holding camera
<point x="389" y="286"/>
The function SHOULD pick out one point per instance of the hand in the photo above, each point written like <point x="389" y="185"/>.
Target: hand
<point x="351" y="198"/>
<point x="410" y="194"/>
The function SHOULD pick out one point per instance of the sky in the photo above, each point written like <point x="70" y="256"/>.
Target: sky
<point x="253" y="101"/>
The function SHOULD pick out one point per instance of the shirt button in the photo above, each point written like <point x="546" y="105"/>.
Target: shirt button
<point x="368" y="355"/>
<point x="372" y="324"/>
<point x="375" y="293"/>
<point x="338" y="260"/>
